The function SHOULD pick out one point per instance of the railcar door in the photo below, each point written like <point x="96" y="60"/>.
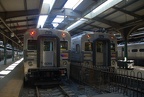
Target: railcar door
<point x="48" y="52"/>
<point x="101" y="53"/>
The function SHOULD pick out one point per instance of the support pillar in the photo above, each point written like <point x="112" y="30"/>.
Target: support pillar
<point x="125" y="37"/>
<point x="125" y="51"/>
<point x="5" y="52"/>
<point x="12" y="53"/>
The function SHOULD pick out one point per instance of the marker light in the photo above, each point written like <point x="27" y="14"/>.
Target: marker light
<point x="112" y="37"/>
<point x="32" y="33"/>
<point x="88" y="36"/>
<point x="63" y="35"/>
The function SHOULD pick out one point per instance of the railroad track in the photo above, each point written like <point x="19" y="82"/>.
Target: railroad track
<point x="70" y="89"/>
<point x="60" y="91"/>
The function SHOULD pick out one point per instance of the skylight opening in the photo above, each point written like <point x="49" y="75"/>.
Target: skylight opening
<point x="72" y="4"/>
<point x="79" y="22"/>
<point x="42" y="20"/>
<point x="58" y="19"/>
<point x="76" y="5"/>
<point x="45" y="10"/>
<point x="55" y="24"/>
<point x="103" y="7"/>
<point x="50" y="2"/>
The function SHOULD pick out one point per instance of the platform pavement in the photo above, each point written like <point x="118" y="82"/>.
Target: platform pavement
<point x="9" y="62"/>
<point x="11" y="84"/>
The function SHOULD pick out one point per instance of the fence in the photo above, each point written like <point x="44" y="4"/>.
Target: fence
<point x="105" y="79"/>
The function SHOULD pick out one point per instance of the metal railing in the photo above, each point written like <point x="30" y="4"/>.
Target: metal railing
<point x="106" y="79"/>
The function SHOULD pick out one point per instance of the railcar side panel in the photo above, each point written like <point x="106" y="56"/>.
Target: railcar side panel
<point x="135" y="52"/>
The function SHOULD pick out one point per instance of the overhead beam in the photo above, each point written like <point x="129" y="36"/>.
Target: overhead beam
<point x="21" y="31"/>
<point x="140" y="8"/>
<point x="14" y="27"/>
<point x="66" y="12"/>
<point x="23" y="20"/>
<point x="13" y="14"/>
<point x="108" y="22"/>
<point x="25" y="6"/>
<point x="90" y="24"/>
<point x="131" y="23"/>
<point x="23" y="26"/>
<point x="129" y="13"/>
<point x="125" y="5"/>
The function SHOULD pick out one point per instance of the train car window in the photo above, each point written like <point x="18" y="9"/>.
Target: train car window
<point x="32" y="44"/>
<point x="112" y="47"/>
<point x="141" y="50"/>
<point x="88" y="46"/>
<point x="48" y="46"/>
<point x="64" y="45"/>
<point x="77" y="47"/>
<point x="134" y="50"/>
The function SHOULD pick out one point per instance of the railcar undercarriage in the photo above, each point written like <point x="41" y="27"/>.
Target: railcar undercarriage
<point x="52" y="75"/>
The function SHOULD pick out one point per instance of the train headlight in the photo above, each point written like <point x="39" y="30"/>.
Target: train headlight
<point x="30" y="63"/>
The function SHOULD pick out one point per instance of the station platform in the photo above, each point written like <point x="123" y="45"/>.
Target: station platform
<point x="11" y="78"/>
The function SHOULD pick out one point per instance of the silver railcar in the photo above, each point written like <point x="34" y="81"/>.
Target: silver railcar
<point x="94" y="49"/>
<point x="135" y="52"/>
<point x="8" y="51"/>
<point x="46" y="54"/>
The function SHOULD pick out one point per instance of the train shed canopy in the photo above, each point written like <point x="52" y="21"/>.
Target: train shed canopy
<point x="116" y="16"/>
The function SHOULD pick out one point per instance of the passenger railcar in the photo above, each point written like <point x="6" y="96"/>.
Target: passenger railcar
<point x="46" y="53"/>
<point x="8" y="51"/>
<point x="135" y="52"/>
<point x="94" y="49"/>
<point x="1" y="54"/>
